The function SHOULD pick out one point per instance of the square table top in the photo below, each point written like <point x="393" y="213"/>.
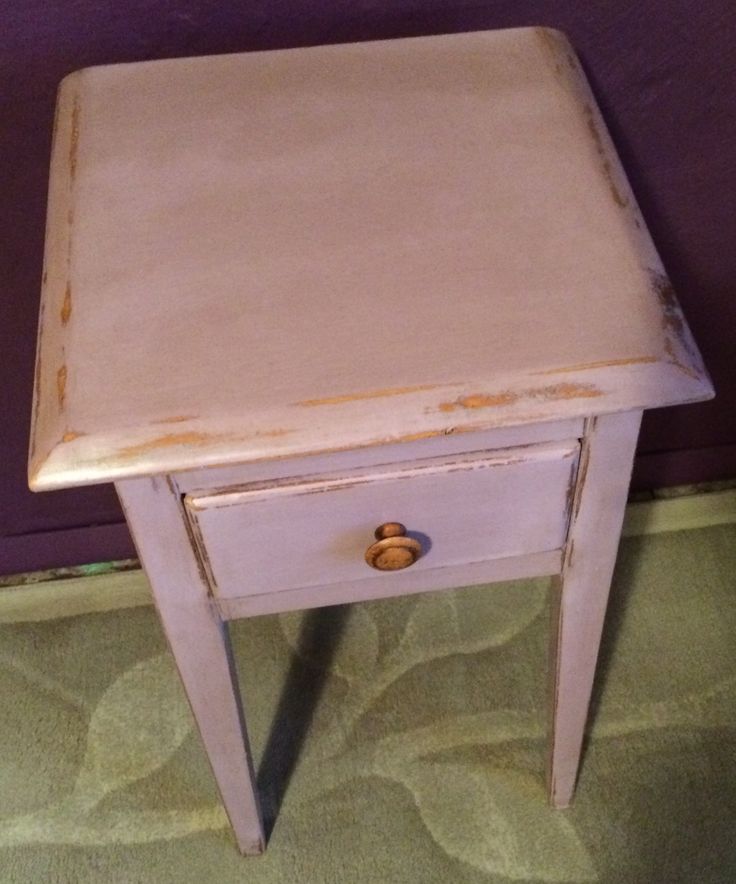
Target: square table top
<point x="288" y="252"/>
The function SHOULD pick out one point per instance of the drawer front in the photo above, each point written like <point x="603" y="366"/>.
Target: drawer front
<point x="315" y="531"/>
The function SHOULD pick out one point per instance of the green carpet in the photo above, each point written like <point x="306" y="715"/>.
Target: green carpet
<point x="399" y="741"/>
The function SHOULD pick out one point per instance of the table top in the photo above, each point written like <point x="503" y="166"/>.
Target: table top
<point x="297" y="251"/>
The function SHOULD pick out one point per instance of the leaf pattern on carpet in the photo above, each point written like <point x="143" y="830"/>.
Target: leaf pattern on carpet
<point x="497" y="821"/>
<point x="135" y="728"/>
<point x="481" y="811"/>
<point x="439" y="625"/>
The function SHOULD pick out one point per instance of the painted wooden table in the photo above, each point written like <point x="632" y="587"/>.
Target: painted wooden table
<point x="349" y="322"/>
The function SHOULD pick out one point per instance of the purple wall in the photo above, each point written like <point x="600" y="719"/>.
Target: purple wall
<point x="664" y="72"/>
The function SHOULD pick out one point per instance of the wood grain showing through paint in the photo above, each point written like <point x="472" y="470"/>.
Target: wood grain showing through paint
<point x="456" y="270"/>
<point x="506" y="398"/>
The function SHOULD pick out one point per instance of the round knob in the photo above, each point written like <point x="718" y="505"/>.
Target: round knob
<point x="393" y="550"/>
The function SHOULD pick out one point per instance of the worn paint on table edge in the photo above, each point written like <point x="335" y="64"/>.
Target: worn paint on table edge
<point x="510" y="397"/>
<point x="603" y="363"/>
<point x="371" y="394"/>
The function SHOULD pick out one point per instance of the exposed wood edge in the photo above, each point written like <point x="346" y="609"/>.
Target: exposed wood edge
<point x="37" y="597"/>
<point x="297" y="431"/>
<point x="52" y="381"/>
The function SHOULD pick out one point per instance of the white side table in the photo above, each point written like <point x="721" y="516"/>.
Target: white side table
<point x="292" y="298"/>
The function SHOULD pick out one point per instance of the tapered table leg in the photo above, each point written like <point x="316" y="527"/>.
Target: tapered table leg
<point x="200" y="644"/>
<point x="581" y="594"/>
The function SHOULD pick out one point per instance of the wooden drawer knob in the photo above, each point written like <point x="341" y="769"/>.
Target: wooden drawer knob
<point x="393" y="550"/>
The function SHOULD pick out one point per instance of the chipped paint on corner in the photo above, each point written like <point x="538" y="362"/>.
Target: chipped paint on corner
<point x="673" y="326"/>
<point x="673" y="360"/>
<point x="672" y="318"/>
<point x="71" y="435"/>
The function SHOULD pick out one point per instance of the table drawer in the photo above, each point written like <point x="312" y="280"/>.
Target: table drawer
<point x="314" y="531"/>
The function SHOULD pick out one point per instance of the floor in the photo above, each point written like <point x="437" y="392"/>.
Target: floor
<point x="399" y="741"/>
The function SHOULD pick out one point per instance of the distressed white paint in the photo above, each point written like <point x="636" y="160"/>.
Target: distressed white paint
<point x="312" y="531"/>
<point x="202" y="480"/>
<point x="330" y="247"/>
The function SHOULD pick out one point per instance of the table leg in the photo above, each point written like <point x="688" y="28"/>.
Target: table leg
<point x="581" y="593"/>
<point x="200" y="645"/>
